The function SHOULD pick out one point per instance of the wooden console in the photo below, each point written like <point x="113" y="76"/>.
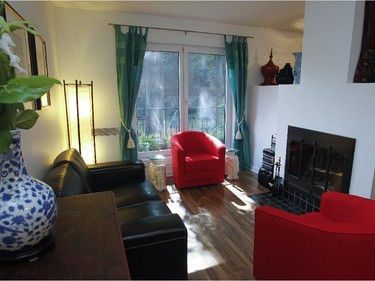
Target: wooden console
<point x="87" y="243"/>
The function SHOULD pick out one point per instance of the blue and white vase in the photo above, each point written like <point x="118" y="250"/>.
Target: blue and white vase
<point x="28" y="207"/>
<point x="297" y="67"/>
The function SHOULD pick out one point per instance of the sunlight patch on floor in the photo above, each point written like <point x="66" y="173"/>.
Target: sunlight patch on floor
<point x="201" y="252"/>
<point x="248" y="204"/>
<point x="219" y="219"/>
<point x="174" y="202"/>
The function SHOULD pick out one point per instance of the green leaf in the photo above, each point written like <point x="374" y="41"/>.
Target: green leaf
<point x="21" y="90"/>
<point x="20" y="106"/>
<point x="2" y="22"/>
<point x="4" y="26"/>
<point x="5" y="140"/>
<point x="26" y="119"/>
<point x="22" y="25"/>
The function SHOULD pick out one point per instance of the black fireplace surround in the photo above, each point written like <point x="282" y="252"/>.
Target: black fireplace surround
<point x="316" y="162"/>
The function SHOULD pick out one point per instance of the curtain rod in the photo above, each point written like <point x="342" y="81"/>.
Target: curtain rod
<point x="183" y="30"/>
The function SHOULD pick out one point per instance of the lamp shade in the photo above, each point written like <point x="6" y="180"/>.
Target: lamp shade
<point x="80" y="119"/>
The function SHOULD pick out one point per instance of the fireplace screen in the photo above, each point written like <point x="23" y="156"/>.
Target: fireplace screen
<point x="318" y="162"/>
<point x="319" y="166"/>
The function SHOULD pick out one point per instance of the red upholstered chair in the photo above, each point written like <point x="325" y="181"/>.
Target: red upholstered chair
<point x="197" y="159"/>
<point x="338" y="242"/>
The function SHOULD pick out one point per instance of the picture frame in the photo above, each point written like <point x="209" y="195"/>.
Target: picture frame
<point x="20" y="38"/>
<point x="39" y="66"/>
<point x="32" y="52"/>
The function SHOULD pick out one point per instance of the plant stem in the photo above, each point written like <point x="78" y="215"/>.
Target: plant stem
<point x="7" y="116"/>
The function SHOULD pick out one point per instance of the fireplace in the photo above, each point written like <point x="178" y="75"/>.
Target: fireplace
<point x="316" y="162"/>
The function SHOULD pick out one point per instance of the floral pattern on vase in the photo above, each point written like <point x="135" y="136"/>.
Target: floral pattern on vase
<point x="28" y="208"/>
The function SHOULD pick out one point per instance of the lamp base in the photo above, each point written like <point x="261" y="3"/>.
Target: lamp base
<point x="28" y="254"/>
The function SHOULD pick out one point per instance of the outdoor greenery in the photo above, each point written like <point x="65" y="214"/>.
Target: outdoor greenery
<point x="158" y="102"/>
<point x="207" y="94"/>
<point x="154" y="142"/>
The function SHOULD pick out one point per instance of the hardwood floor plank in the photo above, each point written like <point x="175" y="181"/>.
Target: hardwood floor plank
<point x="220" y="223"/>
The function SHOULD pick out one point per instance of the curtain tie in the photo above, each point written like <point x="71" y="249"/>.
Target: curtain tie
<point x="239" y="134"/>
<point x="130" y="143"/>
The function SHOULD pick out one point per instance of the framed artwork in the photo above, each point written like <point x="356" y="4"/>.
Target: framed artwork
<point x="20" y="39"/>
<point x="39" y="66"/>
<point x="365" y="72"/>
<point x="32" y="53"/>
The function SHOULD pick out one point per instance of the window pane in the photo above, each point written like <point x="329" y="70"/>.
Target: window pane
<point x="158" y="115"/>
<point x="206" y="104"/>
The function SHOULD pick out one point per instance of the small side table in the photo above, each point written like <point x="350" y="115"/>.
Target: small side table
<point x="231" y="164"/>
<point x="156" y="171"/>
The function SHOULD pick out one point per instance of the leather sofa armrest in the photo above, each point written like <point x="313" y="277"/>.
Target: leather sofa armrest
<point x="65" y="181"/>
<point x="112" y="174"/>
<point x="150" y="230"/>
<point x="156" y="247"/>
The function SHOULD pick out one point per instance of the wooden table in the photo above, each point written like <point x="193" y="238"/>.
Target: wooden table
<point x="88" y="243"/>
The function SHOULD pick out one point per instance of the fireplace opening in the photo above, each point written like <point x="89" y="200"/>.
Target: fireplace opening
<point x="316" y="162"/>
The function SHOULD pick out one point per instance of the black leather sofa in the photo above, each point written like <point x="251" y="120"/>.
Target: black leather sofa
<point x="155" y="240"/>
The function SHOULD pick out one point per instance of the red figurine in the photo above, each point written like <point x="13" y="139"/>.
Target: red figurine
<point x="269" y="72"/>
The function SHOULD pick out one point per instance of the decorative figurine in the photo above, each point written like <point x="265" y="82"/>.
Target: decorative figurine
<point x="269" y="72"/>
<point x="285" y="75"/>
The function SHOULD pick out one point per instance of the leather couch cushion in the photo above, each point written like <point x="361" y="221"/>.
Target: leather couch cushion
<point x="69" y="171"/>
<point x="143" y="210"/>
<point x="109" y="173"/>
<point x="155" y="240"/>
<point x="65" y="181"/>
<point x="135" y="192"/>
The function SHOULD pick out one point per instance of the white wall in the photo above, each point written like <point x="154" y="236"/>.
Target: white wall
<point x="263" y="100"/>
<point x="46" y="139"/>
<point x="84" y="49"/>
<point x="80" y="45"/>
<point x="86" y="52"/>
<point x="325" y="100"/>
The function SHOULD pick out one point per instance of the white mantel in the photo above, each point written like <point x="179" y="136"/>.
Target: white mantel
<point x="327" y="100"/>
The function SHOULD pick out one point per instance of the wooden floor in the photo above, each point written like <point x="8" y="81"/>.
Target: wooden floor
<point x="220" y="223"/>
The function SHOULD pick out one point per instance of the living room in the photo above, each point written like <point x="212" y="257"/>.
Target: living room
<point x="80" y="45"/>
<point x="331" y="40"/>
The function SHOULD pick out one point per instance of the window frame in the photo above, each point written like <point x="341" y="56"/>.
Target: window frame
<point x="183" y="91"/>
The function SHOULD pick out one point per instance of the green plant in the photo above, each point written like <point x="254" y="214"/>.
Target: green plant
<point x="152" y="142"/>
<point x="15" y="91"/>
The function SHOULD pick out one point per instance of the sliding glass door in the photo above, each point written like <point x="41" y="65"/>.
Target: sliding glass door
<point x="206" y="93"/>
<point x="181" y="89"/>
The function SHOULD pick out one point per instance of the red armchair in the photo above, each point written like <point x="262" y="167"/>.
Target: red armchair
<point x="197" y="159"/>
<point x="338" y="242"/>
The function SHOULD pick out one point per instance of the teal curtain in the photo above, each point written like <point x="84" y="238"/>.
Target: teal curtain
<point x="237" y="62"/>
<point x="130" y="52"/>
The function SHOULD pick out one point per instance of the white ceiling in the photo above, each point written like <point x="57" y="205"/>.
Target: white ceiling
<point x="279" y="15"/>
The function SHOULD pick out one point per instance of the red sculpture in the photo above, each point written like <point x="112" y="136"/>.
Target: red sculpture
<point x="269" y="72"/>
